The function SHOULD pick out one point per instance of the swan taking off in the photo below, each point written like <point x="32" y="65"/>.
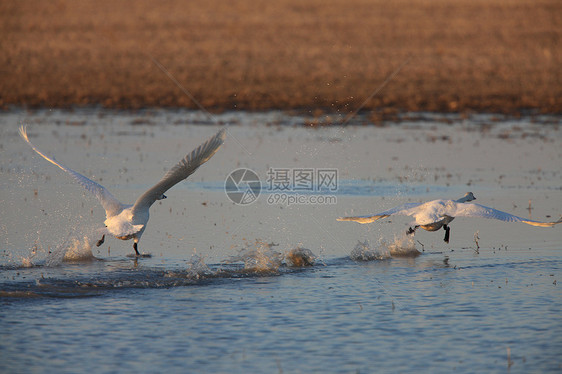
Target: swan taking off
<point x="129" y="221"/>
<point x="433" y="215"/>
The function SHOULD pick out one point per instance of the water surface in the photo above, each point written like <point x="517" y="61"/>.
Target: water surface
<point x="222" y="291"/>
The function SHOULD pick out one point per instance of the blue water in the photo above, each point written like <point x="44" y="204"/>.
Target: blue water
<point x="436" y="312"/>
<point x="214" y="298"/>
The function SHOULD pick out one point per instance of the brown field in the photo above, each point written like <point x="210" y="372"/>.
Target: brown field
<point x="466" y="55"/>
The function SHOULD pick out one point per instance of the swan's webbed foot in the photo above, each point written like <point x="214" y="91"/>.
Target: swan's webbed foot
<point x="100" y="242"/>
<point x="412" y="231"/>
<point x="136" y="250"/>
<point x="447" y="230"/>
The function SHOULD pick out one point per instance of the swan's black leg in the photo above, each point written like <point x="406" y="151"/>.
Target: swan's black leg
<point x="447" y="229"/>
<point x="100" y="242"/>
<point x="411" y="231"/>
<point x="135" y="248"/>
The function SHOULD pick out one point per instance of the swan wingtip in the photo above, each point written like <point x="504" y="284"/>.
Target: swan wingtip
<point x="222" y="134"/>
<point x="23" y="131"/>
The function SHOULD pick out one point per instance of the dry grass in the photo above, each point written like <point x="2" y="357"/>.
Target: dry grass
<point x="485" y="55"/>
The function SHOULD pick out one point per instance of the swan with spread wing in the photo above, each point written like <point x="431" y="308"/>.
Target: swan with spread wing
<point x="436" y="214"/>
<point x="125" y="221"/>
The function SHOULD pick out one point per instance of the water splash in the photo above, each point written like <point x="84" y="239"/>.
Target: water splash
<point x="300" y="257"/>
<point x="79" y="251"/>
<point x="94" y="278"/>
<point x="77" y="247"/>
<point x="259" y="258"/>
<point x="364" y="252"/>
<point x="402" y="246"/>
<point x="196" y="269"/>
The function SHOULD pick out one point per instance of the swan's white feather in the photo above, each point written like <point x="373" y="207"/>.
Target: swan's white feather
<point x="373" y="217"/>
<point x="436" y="211"/>
<point x="181" y="171"/>
<point x="481" y="211"/>
<point x="129" y="221"/>
<point x="111" y="205"/>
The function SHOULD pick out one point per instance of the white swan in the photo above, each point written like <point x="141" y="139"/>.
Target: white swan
<point x="433" y="215"/>
<point x="129" y="221"/>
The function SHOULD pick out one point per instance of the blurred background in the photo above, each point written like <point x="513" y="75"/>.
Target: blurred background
<point x="328" y="56"/>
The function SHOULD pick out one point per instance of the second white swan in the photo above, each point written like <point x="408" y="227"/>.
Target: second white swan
<point x="436" y="214"/>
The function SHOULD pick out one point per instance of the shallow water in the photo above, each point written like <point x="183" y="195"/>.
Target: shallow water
<point x="223" y="291"/>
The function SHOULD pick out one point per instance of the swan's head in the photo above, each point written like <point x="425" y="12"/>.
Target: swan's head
<point x="162" y="197"/>
<point x="469" y="196"/>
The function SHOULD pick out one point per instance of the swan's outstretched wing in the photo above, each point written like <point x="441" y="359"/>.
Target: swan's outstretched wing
<point x="401" y="209"/>
<point x="481" y="211"/>
<point x="182" y="170"/>
<point x="110" y="204"/>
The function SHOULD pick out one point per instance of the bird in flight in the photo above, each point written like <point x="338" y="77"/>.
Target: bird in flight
<point x="128" y="221"/>
<point x="436" y="214"/>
